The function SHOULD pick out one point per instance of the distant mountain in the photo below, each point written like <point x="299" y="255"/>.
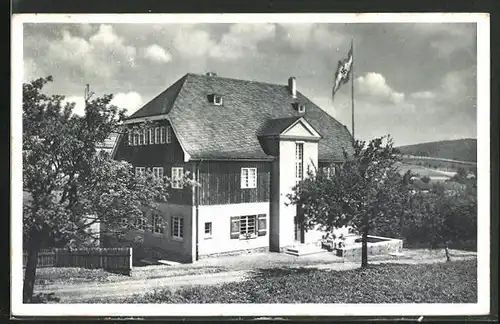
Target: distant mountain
<point x="462" y="150"/>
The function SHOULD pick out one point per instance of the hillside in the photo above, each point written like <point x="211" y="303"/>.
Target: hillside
<point x="462" y="150"/>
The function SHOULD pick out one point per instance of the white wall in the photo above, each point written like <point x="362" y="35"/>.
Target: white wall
<point x="220" y="216"/>
<point x="286" y="183"/>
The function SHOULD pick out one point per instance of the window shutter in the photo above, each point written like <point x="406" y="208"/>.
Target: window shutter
<point x="261" y="224"/>
<point x="235" y="227"/>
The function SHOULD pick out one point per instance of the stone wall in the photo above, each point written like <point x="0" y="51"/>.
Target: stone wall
<point x="386" y="246"/>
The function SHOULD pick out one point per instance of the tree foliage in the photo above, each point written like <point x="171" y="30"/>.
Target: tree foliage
<point x="365" y="192"/>
<point x="71" y="185"/>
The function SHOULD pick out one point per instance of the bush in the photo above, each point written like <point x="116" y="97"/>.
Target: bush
<point x="425" y="179"/>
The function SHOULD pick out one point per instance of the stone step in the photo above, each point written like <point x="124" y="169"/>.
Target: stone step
<point x="300" y="250"/>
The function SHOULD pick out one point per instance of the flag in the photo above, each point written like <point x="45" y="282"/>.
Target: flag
<point x="343" y="72"/>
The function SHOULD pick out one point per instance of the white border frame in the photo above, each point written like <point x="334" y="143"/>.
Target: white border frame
<point x="483" y="150"/>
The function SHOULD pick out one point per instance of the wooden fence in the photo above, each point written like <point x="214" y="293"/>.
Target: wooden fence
<point x="110" y="259"/>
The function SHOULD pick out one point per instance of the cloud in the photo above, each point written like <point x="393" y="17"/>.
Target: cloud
<point x="102" y="55"/>
<point x="241" y="40"/>
<point x="192" y="42"/>
<point x="157" y="53"/>
<point x="374" y="85"/>
<point x="423" y="95"/>
<point x="79" y="102"/>
<point x="130" y="101"/>
<point x="303" y="36"/>
<point x="447" y="38"/>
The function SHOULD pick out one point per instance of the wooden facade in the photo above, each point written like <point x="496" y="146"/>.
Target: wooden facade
<point x="166" y="155"/>
<point x="221" y="183"/>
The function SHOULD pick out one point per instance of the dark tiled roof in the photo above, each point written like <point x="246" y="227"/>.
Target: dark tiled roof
<point x="230" y="131"/>
<point x="277" y="126"/>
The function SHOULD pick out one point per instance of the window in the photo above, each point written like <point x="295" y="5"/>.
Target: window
<point x="157" y="135"/>
<point x="145" y="136"/>
<point x="136" y="138"/>
<point x="247" y="227"/>
<point x="302" y="108"/>
<point x="248" y="178"/>
<point x="177" y="175"/>
<point x="141" y="223"/>
<point x="157" y="221"/>
<point x="151" y="136"/>
<point x="158" y="172"/>
<point x="329" y="171"/>
<point x="215" y="99"/>
<point x="208" y="229"/>
<point x="168" y="135"/>
<point x="140" y="171"/>
<point x="299" y="162"/>
<point x="130" y="138"/>
<point x="177" y="228"/>
<point x="140" y="140"/>
<point x="162" y="134"/>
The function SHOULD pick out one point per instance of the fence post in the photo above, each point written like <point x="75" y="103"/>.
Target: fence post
<point x="130" y="261"/>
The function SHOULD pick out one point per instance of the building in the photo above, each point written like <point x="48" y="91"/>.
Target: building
<point x="247" y="144"/>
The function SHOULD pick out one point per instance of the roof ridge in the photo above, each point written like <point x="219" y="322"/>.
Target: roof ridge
<point x="179" y="82"/>
<point x="235" y="79"/>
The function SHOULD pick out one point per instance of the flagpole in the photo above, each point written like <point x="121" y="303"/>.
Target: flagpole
<point x="352" y="89"/>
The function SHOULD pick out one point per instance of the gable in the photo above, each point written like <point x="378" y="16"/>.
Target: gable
<point x="300" y="129"/>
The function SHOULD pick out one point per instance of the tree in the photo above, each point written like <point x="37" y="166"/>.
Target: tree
<point x="71" y="185"/>
<point x="366" y="190"/>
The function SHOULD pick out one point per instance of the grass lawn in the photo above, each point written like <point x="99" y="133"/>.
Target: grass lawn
<point x="453" y="282"/>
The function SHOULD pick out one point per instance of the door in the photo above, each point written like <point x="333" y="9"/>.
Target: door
<point x="298" y="231"/>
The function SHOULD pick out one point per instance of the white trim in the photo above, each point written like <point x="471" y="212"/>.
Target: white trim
<point x="306" y="125"/>
<point x="243" y="180"/>
<point x="175" y="177"/>
<point x="144" y="119"/>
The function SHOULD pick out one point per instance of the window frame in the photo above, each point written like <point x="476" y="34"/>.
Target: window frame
<point x="299" y="161"/>
<point x="130" y="138"/>
<point x="136" y="138"/>
<point x="154" y="223"/>
<point x="168" y="134"/>
<point x="151" y="136"/>
<point x="162" y="134"/>
<point x="143" y="224"/>
<point x="157" y="135"/>
<point x="158" y="169"/>
<point x="177" y="228"/>
<point x="177" y="177"/>
<point x="140" y="139"/>
<point x="210" y="227"/>
<point x="217" y="102"/>
<point x="245" y="179"/>
<point x="138" y="169"/>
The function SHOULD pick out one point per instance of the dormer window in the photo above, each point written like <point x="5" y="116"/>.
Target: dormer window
<point x="215" y="99"/>
<point x="300" y="107"/>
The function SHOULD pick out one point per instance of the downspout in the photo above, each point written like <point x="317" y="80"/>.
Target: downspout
<point x="197" y="203"/>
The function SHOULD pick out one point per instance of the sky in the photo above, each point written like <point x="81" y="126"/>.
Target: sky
<point x="415" y="82"/>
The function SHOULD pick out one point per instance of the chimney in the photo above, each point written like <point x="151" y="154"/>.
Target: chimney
<point x="292" y="86"/>
<point x="211" y="74"/>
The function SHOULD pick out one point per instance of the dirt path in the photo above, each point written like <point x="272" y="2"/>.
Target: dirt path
<point x="78" y="292"/>
<point x="84" y="291"/>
